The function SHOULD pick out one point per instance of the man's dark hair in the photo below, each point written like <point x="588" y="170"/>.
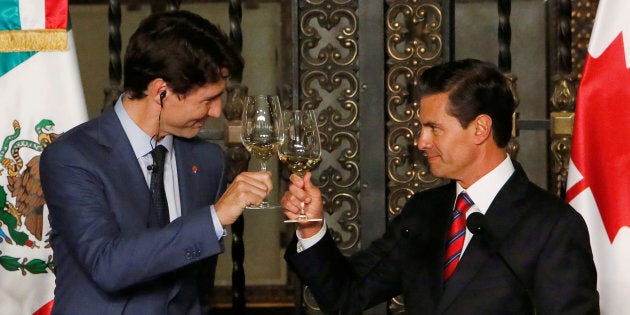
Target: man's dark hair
<point x="182" y="48"/>
<point x="474" y="87"/>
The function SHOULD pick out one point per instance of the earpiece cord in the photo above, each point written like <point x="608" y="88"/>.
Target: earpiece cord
<point x="154" y="140"/>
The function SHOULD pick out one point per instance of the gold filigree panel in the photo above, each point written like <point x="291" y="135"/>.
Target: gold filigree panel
<point x="413" y="43"/>
<point x="328" y="46"/>
<point x="328" y="54"/>
<point x="582" y="19"/>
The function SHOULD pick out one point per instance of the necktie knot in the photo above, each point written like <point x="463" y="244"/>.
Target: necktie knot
<point x="463" y="202"/>
<point x="159" y="155"/>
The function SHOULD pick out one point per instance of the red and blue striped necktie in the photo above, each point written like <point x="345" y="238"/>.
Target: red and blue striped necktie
<point x="455" y="240"/>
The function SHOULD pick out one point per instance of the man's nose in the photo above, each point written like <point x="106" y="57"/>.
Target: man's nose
<point x="215" y="110"/>
<point x="423" y="142"/>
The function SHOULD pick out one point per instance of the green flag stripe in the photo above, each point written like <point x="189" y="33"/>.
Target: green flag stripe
<point x="11" y="60"/>
<point x="10" y="15"/>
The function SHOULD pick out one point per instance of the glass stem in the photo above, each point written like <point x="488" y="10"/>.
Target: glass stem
<point x="263" y="168"/>
<point x="263" y="165"/>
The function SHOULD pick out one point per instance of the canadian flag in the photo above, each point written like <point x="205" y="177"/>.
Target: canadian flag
<point x="598" y="184"/>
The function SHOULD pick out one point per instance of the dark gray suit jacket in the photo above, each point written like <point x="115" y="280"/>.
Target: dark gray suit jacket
<point x="542" y="238"/>
<point x="108" y="259"/>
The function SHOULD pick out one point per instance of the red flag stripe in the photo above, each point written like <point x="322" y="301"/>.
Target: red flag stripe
<point x="56" y="14"/>
<point x="575" y="190"/>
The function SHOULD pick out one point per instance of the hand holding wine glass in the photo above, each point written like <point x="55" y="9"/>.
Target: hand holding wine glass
<point x="301" y="149"/>
<point x="261" y="132"/>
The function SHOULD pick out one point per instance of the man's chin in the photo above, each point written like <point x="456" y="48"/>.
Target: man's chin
<point x="435" y="170"/>
<point x="188" y="133"/>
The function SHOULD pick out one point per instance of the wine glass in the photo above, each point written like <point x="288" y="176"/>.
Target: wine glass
<point x="301" y="149"/>
<point x="261" y="133"/>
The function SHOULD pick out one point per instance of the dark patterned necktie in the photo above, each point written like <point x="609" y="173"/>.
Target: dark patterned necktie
<point x="455" y="240"/>
<point x="158" y="195"/>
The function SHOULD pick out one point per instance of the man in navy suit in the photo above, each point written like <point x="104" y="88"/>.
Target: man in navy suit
<point x="530" y="252"/>
<point x="111" y="254"/>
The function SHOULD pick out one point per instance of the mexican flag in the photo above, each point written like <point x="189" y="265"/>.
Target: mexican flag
<point x="40" y="97"/>
<point x="598" y="185"/>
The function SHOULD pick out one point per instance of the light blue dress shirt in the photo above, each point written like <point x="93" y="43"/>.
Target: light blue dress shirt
<point x="142" y="145"/>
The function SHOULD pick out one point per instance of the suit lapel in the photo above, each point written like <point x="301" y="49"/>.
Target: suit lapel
<point x="191" y="167"/>
<point x="423" y="231"/>
<point x="504" y="212"/>
<point x="184" y="158"/>
<point x="120" y="159"/>
<point x="468" y="267"/>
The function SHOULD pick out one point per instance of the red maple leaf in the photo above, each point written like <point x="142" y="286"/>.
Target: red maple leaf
<point x="600" y="145"/>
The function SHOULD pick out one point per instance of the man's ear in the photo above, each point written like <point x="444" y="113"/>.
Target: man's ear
<point x="157" y="90"/>
<point x="482" y="128"/>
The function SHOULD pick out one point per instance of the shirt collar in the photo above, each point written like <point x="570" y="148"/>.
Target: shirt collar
<point x="483" y="191"/>
<point x="141" y="143"/>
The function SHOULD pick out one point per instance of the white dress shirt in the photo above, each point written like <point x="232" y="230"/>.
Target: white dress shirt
<point x="482" y="193"/>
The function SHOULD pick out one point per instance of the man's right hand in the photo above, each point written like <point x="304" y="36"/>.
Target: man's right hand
<point x="248" y="188"/>
<point x="302" y="192"/>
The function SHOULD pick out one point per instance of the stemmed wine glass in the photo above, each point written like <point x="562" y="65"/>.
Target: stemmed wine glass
<point x="261" y="133"/>
<point x="301" y="149"/>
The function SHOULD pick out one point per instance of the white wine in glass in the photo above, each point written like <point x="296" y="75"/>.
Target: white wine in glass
<point x="301" y="149"/>
<point x="261" y="133"/>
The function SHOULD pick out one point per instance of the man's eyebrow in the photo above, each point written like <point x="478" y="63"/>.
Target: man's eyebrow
<point x="429" y="124"/>
<point x="213" y="97"/>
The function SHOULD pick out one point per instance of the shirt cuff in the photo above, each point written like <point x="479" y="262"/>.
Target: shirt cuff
<point x="305" y="243"/>
<point x="218" y="228"/>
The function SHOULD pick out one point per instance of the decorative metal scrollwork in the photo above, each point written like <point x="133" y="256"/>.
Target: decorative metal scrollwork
<point x="328" y="48"/>
<point x="329" y="85"/>
<point x="416" y="31"/>
<point x="574" y="24"/>
<point x="332" y="34"/>
<point x="414" y="43"/>
<point x="582" y="19"/>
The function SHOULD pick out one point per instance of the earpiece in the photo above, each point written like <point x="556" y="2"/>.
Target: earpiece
<point x="162" y="96"/>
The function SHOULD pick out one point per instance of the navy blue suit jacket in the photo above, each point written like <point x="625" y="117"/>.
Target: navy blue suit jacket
<point x="107" y="258"/>
<point x="542" y="238"/>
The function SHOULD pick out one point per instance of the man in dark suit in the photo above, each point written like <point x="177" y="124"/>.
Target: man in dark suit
<point x="531" y="251"/>
<point x="112" y="253"/>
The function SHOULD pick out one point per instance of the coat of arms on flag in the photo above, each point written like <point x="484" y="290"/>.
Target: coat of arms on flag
<point x="40" y="97"/>
<point x="23" y="184"/>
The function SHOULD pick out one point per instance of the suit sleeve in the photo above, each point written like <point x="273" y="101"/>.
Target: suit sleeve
<point x="566" y="278"/>
<point x="348" y="285"/>
<point x="86" y="228"/>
